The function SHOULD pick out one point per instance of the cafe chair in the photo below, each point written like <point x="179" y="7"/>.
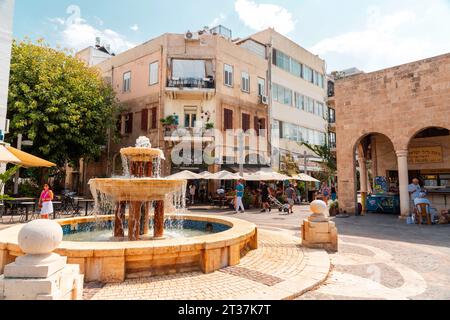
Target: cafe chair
<point x="423" y="210"/>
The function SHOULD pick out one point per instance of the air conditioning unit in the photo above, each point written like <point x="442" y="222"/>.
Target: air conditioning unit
<point x="264" y="100"/>
<point x="192" y="36"/>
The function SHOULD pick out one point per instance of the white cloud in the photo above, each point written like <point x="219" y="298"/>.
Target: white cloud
<point x="218" y="20"/>
<point x="135" y="27"/>
<point x="262" y="16"/>
<point x="78" y="34"/>
<point x="391" y="36"/>
<point x="99" y="21"/>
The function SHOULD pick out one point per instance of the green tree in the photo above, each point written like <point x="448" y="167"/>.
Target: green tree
<point x="59" y="103"/>
<point x="289" y="166"/>
<point x="329" y="164"/>
<point x="4" y="179"/>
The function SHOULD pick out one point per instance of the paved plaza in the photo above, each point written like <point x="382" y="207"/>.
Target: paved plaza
<point x="380" y="257"/>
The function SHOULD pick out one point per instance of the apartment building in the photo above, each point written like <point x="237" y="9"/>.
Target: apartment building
<point x="6" y="22"/>
<point x="195" y="81"/>
<point x="299" y="110"/>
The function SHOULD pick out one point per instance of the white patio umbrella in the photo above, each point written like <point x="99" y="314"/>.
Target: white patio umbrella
<point x="185" y="175"/>
<point x="224" y="175"/>
<point x="205" y="175"/>
<point x="266" y="176"/>
<point x="8" y="157"/>
<point x="305" y="178"/>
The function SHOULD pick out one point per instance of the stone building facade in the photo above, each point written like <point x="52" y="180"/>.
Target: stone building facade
<point x="401" y="109"/>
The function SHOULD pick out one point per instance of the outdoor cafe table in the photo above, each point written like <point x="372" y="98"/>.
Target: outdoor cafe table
<point x="86" y="202"/>
<point x="27" y="205"/>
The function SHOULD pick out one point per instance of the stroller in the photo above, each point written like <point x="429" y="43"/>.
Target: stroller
<point x="283" y="208"/>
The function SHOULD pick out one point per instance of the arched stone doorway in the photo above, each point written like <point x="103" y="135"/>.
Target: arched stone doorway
<point x="429" y="161"/>
<point x="374" y="156"/>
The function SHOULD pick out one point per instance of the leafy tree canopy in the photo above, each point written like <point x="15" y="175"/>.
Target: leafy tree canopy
<point x="59" y="103"/>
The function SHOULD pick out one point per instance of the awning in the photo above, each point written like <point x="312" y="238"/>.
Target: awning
<point x="29" y="161"/>
<point x="305" y="178"/>
<point x="185" y="175"/>
<point x="7" y="157"/>
<point x="224" y="175"/>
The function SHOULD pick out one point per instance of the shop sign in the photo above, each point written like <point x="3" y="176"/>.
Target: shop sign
<point x="425" y="155"/>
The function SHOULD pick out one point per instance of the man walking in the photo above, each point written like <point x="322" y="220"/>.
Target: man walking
<point x="290" y="196"/>
<point x="240" y="190"/>
<point x="265" y="193"/>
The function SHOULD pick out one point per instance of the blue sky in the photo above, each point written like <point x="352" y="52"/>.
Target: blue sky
<point x="370" y="34"/>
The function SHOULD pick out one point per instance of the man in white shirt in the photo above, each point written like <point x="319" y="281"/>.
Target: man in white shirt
<point x="422" y="199"/>
<point x="414" y="192"/>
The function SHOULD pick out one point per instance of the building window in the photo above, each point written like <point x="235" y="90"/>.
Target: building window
<point x="332" y="139"/>
<point x="228" y="74"/>
<point x="299" y="101"/>
<point x="190" y="117"/>
<point x="308" y="74"/>
<point x="144" y="120"/>
<point x="127" y="81"/>
<point x="228" y="119"/>
<point x="154" y="118"/>
<point x="282" y="95"/>
<point x="296" y="68"/>
<point x="129" y="123"/>
<point x="261" y="87"/>
<point x="245" y="122"/>
<point x="331" y="115"/>
<point x="320" y="109"/>
<point x="154" y="73"/>
<point x="245" y="82"/>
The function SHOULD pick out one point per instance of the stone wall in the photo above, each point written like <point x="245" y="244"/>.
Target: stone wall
<point x="398" y="102"/>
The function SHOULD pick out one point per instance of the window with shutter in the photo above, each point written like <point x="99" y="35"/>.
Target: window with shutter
<point x="144" y="120"/>
<point x="129" y="124"/>
<point x="245" y="122"/>
<point x="228" y="119"/>
<point x="154" y="118"/>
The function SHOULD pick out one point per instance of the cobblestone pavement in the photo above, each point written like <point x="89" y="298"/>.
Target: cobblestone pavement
<point x="276" y="270"/>
<point x="380" y="257"/>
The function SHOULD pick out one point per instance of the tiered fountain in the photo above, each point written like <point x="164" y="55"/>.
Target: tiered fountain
<point x="141" y="190"/>
<point x="107" y="251"/>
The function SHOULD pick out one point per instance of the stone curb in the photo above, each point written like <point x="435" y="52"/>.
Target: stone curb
<point x="317" y="268"/>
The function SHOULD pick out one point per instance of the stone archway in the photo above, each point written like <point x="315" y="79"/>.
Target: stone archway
<point x="355" y="157"/>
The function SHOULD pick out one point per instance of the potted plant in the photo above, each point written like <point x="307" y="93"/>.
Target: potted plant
<point x="334" y="208"/>
<point x="247" y="200"/>
<point x="209" y="126"/>
<point x="169" y="123"/>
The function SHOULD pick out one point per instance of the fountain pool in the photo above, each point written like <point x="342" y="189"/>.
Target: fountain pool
<point x="141" y="228"/>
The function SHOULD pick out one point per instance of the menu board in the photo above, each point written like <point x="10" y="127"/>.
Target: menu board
<point x="425" y="155"/>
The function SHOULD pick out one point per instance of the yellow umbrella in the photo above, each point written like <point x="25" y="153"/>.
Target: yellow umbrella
<point x="29" y="161"/>
<point x="8" y="157"/>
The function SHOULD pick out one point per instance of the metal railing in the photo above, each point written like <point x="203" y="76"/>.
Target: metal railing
<point x="191" y="83"/>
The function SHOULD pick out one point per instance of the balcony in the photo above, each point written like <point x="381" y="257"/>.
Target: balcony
<point x="191" y="88"/>
<point x="172" y="134"/>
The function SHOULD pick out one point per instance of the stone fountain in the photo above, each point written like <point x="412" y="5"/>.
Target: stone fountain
<point x="141" y="191"/>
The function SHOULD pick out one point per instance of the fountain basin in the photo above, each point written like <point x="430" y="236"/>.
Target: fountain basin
<point x="115" y="261"/>
<point x="138" y="190"/>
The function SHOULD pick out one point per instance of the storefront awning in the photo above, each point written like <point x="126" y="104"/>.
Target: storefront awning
<point x="29" y="161"/>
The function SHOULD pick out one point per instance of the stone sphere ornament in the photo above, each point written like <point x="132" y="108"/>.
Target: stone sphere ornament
<point x="318" y="207"/>
<point x="320" y="211"/>
<point x="40" y="237"/>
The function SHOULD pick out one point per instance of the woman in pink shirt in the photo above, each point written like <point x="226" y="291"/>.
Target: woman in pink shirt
<point x="45" y="202"/>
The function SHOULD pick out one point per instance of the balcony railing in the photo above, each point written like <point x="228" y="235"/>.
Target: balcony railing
<point x="330" y="89"/>
<point x="191" y="83"/>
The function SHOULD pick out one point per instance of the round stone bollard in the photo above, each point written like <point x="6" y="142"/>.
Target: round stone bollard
<point x="40" y="237"/>
<point x="319" y="209"/>
<point x="41" y="274"/>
